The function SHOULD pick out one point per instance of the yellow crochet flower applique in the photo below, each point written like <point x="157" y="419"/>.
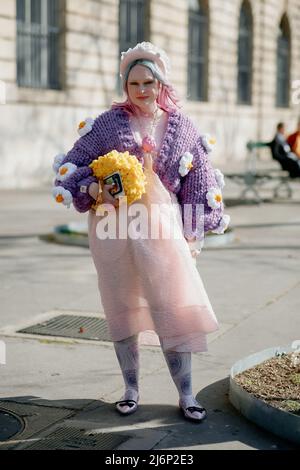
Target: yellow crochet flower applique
<point x="84" y="127"/>
<point x="208" y="142"/>
<point x="214" y="198"/>
<point x="62" y="196"/>
<point x="129" y="168"/>
<point x="185" y="164"/>
<point x="65" y="171"/>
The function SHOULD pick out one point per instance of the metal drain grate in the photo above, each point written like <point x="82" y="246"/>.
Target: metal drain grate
<point x="72" y="326"/>
<point x="78" y="439"/>
<point x="36" y="419"/>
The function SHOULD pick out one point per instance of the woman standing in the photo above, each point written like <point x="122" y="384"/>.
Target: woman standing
<point x="151" y="284"/>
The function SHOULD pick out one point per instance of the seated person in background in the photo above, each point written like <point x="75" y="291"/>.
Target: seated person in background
<point x="281" y="152"/>
<point x="294" y="141"/>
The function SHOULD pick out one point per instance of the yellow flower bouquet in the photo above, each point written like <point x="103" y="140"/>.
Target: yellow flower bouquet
<point x="129" y="168"/>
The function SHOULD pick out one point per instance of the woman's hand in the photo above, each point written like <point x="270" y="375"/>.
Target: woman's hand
<point x="195" y="253"/>
<point x="102" y="196"/>
<point x="190" y="240"/>
<point x="107" y="198"/>
<point x="94" y="190"/>
<point x="194" y="246"/>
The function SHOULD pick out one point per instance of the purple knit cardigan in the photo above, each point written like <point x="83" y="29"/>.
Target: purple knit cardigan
<point x="111" y="130"/>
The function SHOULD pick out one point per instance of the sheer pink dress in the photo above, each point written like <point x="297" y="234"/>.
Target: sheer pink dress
<point x="151" y="286"/>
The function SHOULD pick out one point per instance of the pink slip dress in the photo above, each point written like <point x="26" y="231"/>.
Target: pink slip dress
<point x="150" y="285"/>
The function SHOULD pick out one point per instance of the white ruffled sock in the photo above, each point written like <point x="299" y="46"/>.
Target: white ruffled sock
<point x="127" y="352"/>
<point x="180" y="367"/>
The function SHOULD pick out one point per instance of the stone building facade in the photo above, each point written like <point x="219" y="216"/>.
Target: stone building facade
<point x="38" y="122"/>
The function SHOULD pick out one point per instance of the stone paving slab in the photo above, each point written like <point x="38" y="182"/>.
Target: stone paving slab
<point x="253" y="285"/>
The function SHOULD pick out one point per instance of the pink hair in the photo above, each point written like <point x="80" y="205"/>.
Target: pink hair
<point x="167" y="99"/>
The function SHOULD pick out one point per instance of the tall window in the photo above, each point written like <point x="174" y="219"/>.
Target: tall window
<point x="198" y="30"/>
<point x="133" y="24"/>
<point x="283" y="63"/>
<point x="245" y="46"/>
<point x="38" y="43"/>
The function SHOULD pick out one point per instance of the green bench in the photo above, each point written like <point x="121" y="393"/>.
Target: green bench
<point x="253" y="179"/>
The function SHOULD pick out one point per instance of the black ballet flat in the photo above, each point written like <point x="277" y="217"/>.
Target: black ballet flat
<point x="132" y="404"/>
<point x="191" y="409"/>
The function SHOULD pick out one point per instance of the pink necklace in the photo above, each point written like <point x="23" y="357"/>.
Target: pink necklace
<point x="148" y="141"/>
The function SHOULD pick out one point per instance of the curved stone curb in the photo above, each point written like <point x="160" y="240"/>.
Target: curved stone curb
<point x="76" y="234"/>
<point x="69" y="234"/>
<point x="65" y="239"/>
<point x="279" y="422"/>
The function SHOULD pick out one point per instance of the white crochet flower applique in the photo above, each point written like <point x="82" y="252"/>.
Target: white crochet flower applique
<point x="219" y="178"/>
<point x="65" y="171"/>
<point x="214" y="198"/>
<point x="208" y="142"/>
<point x="185" y="164"/>
<point x="62" y="196"/>
<point x="84" y="127"/>
<point x="58" y="161"/>
<point x="223" y="225"/>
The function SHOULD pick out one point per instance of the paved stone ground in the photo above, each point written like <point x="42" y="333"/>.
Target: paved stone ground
<point x="253" y="284"/>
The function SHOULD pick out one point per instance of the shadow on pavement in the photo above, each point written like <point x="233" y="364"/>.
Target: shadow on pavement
<point x="168" y="429"/>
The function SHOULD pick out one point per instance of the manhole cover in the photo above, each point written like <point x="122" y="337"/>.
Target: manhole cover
<point x="10" y="425"/>
<point x="35" y="419"/>
<point x="78" y="439"/>
<point x="73" y="327"/>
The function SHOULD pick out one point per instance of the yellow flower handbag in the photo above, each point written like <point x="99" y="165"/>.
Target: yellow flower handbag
<point x="124" y="171"/>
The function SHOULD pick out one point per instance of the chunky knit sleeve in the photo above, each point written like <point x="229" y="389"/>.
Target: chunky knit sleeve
<point x="74" y="176"/>
<point x="200" y="195"/>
